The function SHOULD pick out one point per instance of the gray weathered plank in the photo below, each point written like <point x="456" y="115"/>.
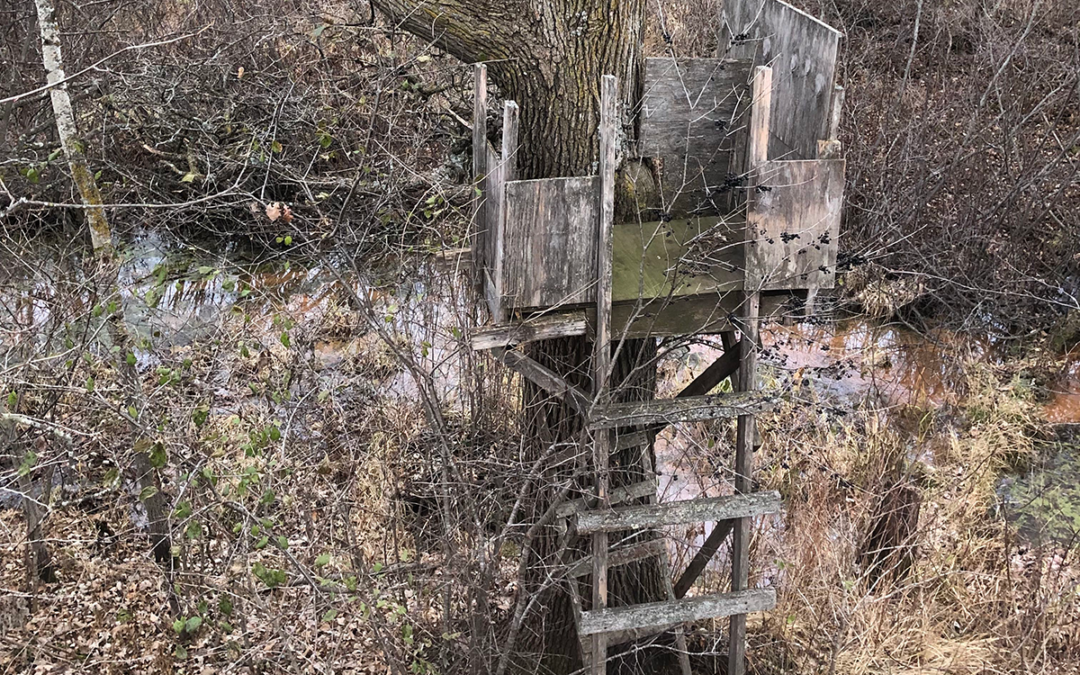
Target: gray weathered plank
<point x="549" y="241"/>
<point x="544" y="378"/>
<point x="677" y="513"/>
<point x="688" y="409"/>
<point x="618" y="495"/>
<point x="620" y="556"/>
<point x="546" y="327"/>
<point x="689" y="109"/>
<point x="690" y="315"/>
<point x="491" y="188"/>
<point x="794" y="224"/>
<point x="609" y="92"/>
<point x="480" y="239"/>
<point x="677" y="611"/>
<point x="802" y="51"/>
<point x="502" y="167"/>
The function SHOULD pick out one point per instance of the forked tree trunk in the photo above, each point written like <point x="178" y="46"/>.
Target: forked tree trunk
<point x="549" y="56"/>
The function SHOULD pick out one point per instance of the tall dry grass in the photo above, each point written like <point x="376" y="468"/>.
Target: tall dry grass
<point x="974" y="599"/>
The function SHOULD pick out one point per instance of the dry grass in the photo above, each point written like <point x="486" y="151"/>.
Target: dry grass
<point x="975" y="600"/>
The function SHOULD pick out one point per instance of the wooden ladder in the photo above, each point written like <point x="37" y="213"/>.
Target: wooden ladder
<point x="609" y="510"/>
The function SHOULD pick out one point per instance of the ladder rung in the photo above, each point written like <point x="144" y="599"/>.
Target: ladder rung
<point x="620" y="556"/>
<point x="542" y="328"/>
<point x="645" y="488"/>
<point x="666" y="613"/>
<point x="675" y="513"/>
<point x="686" y="409"/>
<point x="616" y="638"/>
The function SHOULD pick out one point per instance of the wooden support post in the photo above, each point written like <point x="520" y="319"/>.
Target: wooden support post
<point x="479" y="158"/>
<point x="757" y="155"/>
<point x="497" y="230"/>
<point x="609" y="95"/>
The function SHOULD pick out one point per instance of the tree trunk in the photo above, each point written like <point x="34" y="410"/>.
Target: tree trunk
<point x="549" y="56"/>
<point x="100" y="234"/>
<point x="142" y="472"/>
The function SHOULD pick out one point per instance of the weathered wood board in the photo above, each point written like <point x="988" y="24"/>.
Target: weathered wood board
<point x="672" y="612"/>
<point x="692" y="314"/>
<point x="690" y="116"/>
<point x="802" y="52"/>
<point x="549" y="241"/>
<point x="677" y="513"/>
<point x="793" y="222"/>
<point x="491" y="186"/>
<point x="545" y="327"/>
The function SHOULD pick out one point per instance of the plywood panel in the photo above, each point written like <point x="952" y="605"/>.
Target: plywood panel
<point x="802" y="53"/>
<point x="676" y="258"/>
<point x="794" y="221"/>
<point x="549" y="241"/>
<point x="690" y="116"/>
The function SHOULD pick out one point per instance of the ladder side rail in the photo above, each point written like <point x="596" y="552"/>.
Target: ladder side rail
<point x="757" y="156"/>
<point x="609" y="88"/>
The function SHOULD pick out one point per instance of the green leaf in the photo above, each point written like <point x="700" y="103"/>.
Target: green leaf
<point x="28" y="462"/>
<point x="288" y="240"/>
<point x="33" y="176"/>
<point x="189" y="177"/>
<point x="275" y="147"/>
<point x="228" y="285"/>
<point x="158" y="456"/>
<point x="330" y="614"/>
<point x="193" y="624"/>
<point x="285" y="339"/>
<point x="205" y="270"/>
<point x="183" y="510"/>
<point x="12" y="399"/>
<point x="151" y="298"/>
<point x="283" y="542"/>
<point x="147" y="492"/>
<point x="178" y="626"/>
<point x="225" y="606"/>
<point x="130" y="358"/>
<point x="275" y="434"/>
<point x="261" y="544"/>
<point x="132" y="412"/>
<point x="199" y="415"/>
<point x="322" y="560"/>
<point x="90" y="383"/>
<point x="181" y="652"/>
<point x="325" y="139"/>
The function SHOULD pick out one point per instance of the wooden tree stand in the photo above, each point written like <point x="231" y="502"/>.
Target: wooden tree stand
<point x="752" y="186"/>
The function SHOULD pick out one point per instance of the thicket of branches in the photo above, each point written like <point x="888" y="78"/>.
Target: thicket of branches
<point x="962" y="134"/>
<point x="199" y="117"/>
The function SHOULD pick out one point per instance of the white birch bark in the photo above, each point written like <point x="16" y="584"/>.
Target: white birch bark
<point x="100" y="235"/>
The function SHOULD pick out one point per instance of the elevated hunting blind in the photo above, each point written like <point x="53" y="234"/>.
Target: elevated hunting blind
<point x="739" y="223"/>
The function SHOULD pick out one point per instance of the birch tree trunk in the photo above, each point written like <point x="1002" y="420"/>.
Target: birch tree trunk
<point x="100" y="235"/>
<point x="142" y="471"/>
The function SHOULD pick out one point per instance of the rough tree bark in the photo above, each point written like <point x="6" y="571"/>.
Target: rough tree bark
<point x="549" y="56"/>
